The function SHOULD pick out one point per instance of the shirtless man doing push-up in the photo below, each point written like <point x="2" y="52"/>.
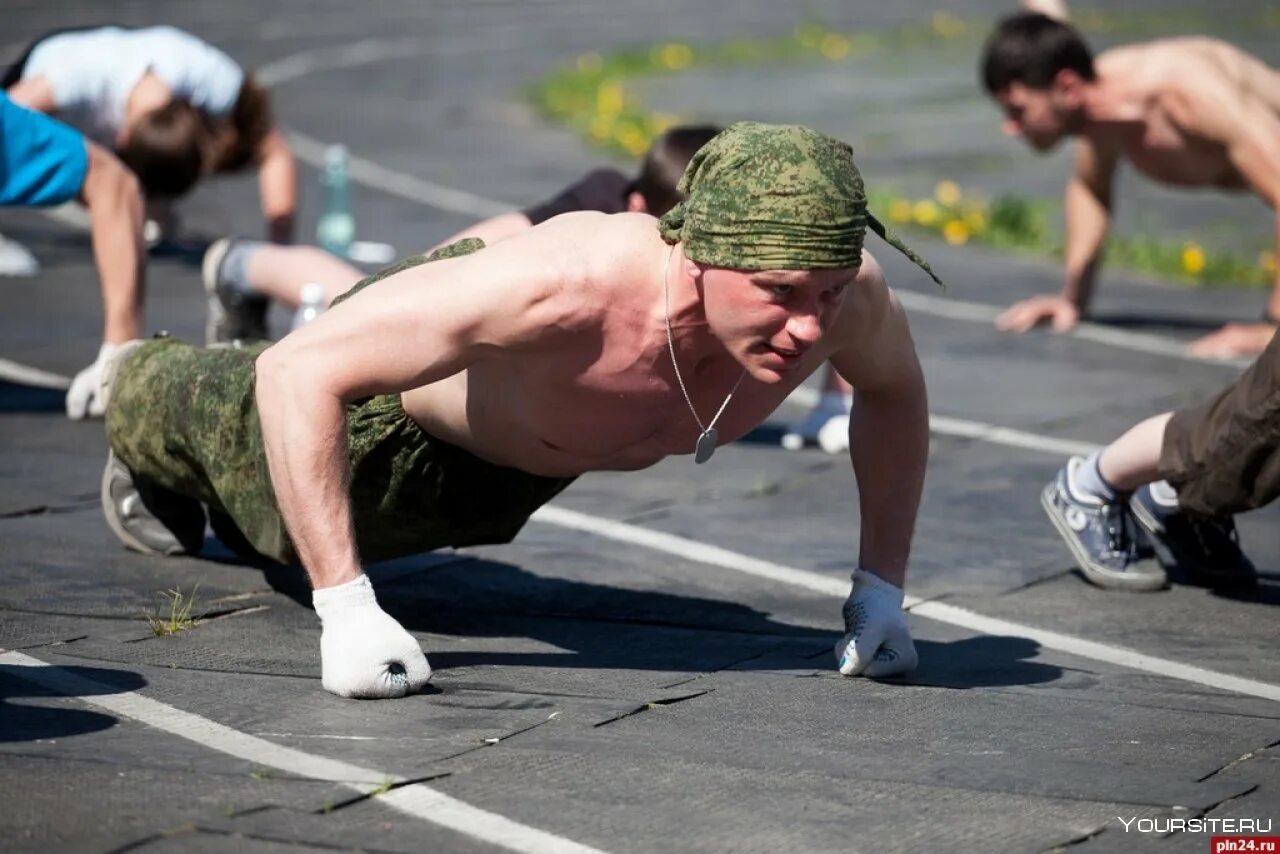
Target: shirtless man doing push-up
<point x="441" y="403"/>
<point x="1192" y="112"/>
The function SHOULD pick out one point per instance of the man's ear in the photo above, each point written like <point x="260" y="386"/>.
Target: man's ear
<point x="1068" y="88"/>
<point x="635" y="203"/>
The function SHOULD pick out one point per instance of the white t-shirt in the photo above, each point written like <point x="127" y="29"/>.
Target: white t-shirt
<point x="93" y="72"/>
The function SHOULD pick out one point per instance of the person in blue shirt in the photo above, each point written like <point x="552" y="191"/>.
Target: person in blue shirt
<point x="44" y="162"/>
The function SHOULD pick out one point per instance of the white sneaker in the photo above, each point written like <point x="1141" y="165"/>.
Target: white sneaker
<point x="16" y="259"/>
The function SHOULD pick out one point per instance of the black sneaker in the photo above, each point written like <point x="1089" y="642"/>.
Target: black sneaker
<point x="1205" y="548"/>
<point x="148" y="518"/>
<point x="1102" y="536"/>
<point x="232" y="316"/>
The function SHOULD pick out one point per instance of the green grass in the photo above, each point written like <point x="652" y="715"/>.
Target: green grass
<point x="179" y="612"/>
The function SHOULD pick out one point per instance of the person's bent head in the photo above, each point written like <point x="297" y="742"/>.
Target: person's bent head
<point x="166" y="149"/>
<point x="654" y="189"/>
<point x="1037" y="68"/>
<point x="771" y="231"/>
<point x="238" y="140"/>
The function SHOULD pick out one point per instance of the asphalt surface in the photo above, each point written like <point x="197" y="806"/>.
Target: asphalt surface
<point x="607" y="688"/>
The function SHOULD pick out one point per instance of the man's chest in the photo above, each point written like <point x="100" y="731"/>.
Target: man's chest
<point x="1166" y="152"/>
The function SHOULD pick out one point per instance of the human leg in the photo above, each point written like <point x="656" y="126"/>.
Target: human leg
<point x="181" y="421"/>
<point x="241" y="276"/>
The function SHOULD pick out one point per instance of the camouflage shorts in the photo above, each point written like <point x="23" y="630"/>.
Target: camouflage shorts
<point x="186" y="419"/>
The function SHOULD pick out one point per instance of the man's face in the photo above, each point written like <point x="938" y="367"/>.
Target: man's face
<point x="1040" y="116"/>
<point x="769" y="319"/>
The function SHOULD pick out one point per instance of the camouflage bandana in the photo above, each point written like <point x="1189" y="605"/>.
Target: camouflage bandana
<point x="774" y="197"/>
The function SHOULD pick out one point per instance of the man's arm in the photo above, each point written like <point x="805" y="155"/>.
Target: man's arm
<point x="278" y="186"/>
<point x="888" y="429"/>
<point x="114" y="200"/>
<point x="1087" y="214"/>
<point x="889" y="446"/>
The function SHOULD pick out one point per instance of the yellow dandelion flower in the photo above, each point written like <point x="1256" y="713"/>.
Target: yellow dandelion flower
<point x="925" y="212"/>
<point x="1193" y="258"/>
<point x="590" y="63"/>
<point x="1267" y="261"/>
<point x="900" y="211"/>
<point x="610" y="97"/>
<point x="956" y="233"/>
<point x="675" y="56"/>
<point x="834" y="46"/>
<point x="947" y="193"/>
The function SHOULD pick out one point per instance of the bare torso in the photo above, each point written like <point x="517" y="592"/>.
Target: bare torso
<point x="1164" y="91"/>
<point x="606" y="397"/>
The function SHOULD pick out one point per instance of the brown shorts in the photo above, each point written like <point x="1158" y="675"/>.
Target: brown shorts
<point x="1223" y="457"/>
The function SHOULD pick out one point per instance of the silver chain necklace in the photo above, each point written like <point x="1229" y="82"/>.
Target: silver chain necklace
<point x="706" y="445"/>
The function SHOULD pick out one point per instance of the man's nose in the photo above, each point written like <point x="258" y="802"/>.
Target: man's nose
<point x="805" y="328"/>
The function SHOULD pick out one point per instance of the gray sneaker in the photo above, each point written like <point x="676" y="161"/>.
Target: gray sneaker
<point x="148" y="518"/>
<point x="1102" y="537"/>
<point x="231" y="316"/>
<point x="1207" y="549"/>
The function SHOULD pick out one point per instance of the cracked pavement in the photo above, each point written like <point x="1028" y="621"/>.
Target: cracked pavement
<point x="618" y="697"/>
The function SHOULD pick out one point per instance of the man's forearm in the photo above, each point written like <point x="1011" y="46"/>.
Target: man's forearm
<point x="304" y="434"/>
<point x="1087" y="220"/>
<point x="115" y="216"/>
<point x="889" y="444"/>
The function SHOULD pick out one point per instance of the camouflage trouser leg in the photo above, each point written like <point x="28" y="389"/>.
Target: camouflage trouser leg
<point x="186" y="419"/>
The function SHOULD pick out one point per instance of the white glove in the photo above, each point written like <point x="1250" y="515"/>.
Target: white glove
<point x="364" y="652"/>
<point x="878" y="642"/>
<point x="84" y="398"/>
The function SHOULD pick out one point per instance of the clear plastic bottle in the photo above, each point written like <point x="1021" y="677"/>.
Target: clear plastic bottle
<point x="337" y="227"/>
<point x="311" y="307"/>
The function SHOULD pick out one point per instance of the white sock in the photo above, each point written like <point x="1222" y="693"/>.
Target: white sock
<point x="1164" y="493"/>
<point x="1087" y="483"/>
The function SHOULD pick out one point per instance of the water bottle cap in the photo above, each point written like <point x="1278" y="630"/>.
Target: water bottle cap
<point x="335" y="155"/>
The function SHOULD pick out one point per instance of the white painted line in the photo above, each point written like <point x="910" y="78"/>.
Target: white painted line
<point x="18" y="373"/>
<point x="966" y="619"/>
<point x="1097" y="651"/>
<point x="417" y="800"/>
<point x="1140" y="342"/>
<point x="980" y="431"/>
<point x="366" y="52"/>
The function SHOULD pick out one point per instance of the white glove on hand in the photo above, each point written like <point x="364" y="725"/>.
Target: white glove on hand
<point x="84" y="398"/>
<point x="364" y="652"/>
<point x="878" y="642"/>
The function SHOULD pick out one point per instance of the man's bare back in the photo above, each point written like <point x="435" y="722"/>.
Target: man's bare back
<point x="1158" y="92"/>
<point x="604" y="396"/>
